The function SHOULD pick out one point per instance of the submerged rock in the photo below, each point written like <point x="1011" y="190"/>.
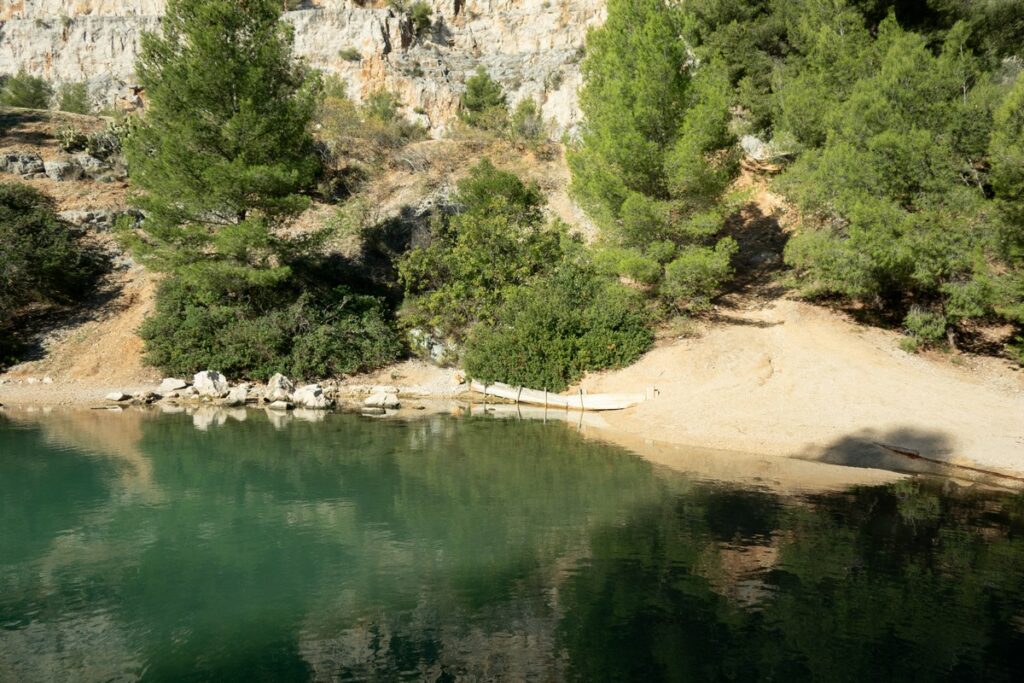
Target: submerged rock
<point x="281" y="405"/>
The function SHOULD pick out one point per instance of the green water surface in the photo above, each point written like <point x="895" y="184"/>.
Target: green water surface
<point x="168" y="548"/>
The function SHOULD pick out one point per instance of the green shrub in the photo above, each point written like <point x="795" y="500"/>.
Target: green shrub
<point x="320" y="332"/>
<point x="925" y="326"/>
<point x="526" y="123"/>
<point x="350" y="54"/>
<point x="483" y="103"/>
<point x="548" y="333"/>
<point x="498" y="241"/>
<point x="421" y="16"/>
<point x="41" y="260"/>
<point x="70" y="139"/>
<point x="382" y="106"/>
<point x="631" y="263"/>
<point x="108" y="142"/>
<point x="1015" y="349"/>
<point x="29" y="92"/>
<point x="693" y="277"/>
<point x="74" y="98"/>
<point x="359" y="136"/>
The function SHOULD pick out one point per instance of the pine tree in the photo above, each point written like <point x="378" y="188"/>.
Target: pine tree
<point x="484" y="101"/>
<point x="223" y="152"/>
<point x="653" y="161"/>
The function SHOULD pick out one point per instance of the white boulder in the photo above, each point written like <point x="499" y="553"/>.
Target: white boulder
<point x="237" y="396"/>
<point x="210" y="383"/>
<point x="311" y="396"/>
<point x="171" y="384"/>
<point x="280" y="405"/>
<point x="118" y="396"/>
<point x="279" y="388"/>
<point x="382" y="400"/>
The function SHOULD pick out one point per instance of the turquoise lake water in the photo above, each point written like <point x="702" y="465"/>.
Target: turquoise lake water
<point x="140" y="547"/>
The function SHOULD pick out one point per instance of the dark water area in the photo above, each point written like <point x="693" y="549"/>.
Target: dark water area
<point x="139" y="547"/>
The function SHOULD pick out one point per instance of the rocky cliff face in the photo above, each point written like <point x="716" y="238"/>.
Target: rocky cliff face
<point x="532" y="47"/>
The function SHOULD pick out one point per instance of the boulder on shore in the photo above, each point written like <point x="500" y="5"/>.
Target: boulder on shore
<point x="237" y="396"/>
<point x="279" y="388"/>
<point x="118" y="396"/>
<point x="281" y="405"/>
<point x="211" y="383"/>
<point x="170" y="384"/>
<point x="382" y="400"/>
<point x="311" y="396"/>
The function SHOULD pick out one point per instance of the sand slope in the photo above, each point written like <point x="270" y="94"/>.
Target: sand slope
<point x="794" y="379"/>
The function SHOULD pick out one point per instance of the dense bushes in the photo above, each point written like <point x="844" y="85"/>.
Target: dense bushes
<point x="41" y="260"/>
<point x="894" y="182"/>
<point x="23" y="90"/>
<point x="302" y="331"/>
<point x="497" y="241"/>
<point x="547" y="334"/>
<point x="518" y="290"/>
<point x="901" y="126"/>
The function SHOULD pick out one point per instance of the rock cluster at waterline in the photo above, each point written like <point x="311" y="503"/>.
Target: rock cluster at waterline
<point x="211" y="387"/>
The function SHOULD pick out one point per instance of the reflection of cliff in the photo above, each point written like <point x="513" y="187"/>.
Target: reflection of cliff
<point x="94" y="648"/>
<point x="103" y="433"/>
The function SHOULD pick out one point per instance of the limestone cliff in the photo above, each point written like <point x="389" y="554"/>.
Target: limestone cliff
<point x="532" y="47"/>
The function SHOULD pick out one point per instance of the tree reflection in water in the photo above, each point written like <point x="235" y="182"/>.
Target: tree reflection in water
<point x="448" y="549"/>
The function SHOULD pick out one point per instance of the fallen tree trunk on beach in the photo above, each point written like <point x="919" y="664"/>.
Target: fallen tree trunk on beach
<point x="580" y="401"/>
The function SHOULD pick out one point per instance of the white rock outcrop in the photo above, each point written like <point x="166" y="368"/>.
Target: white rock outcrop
<point x="532" y="47"/>
<point x="211" y="383"/>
